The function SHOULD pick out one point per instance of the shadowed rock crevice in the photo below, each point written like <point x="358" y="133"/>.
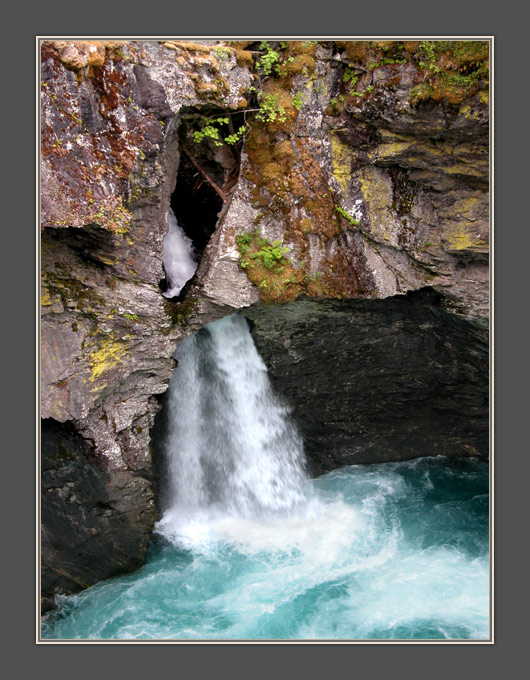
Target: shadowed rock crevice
<point x="160" y="465"/>
<point x="207" y="173"/>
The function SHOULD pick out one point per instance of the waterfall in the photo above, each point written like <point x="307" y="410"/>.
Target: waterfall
<point x="178" y="256"/>
<point x="232" y="450"/>
<point x="254" y="550"/>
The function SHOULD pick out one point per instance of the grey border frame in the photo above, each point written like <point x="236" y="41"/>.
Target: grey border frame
<point x="488" y="641"/>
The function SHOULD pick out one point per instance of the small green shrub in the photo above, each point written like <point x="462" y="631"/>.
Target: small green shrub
<point x="271" y="255"/>
<point x="269" y="109"/>
<point x="267" y="60"/>
<point x="298" y="101"/>
<point x="210" y="128"/>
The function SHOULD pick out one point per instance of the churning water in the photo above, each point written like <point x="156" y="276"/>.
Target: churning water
<point x="178" y="256"/>
<point x="250" y="548"/>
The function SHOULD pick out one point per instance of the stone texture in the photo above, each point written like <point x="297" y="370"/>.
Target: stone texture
<point x="109" y="157"/>
<point x="92" y="519"/>
<point x="378" y="380"/>
<point x="415" y="176"/>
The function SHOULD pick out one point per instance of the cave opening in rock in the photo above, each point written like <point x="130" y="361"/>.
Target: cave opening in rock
<point x="208" y="171"/>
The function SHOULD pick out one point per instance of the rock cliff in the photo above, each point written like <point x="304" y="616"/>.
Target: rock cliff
<point x="349" y="217"/>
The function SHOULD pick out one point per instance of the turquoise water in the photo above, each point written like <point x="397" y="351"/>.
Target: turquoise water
<point x="393" y="551"/>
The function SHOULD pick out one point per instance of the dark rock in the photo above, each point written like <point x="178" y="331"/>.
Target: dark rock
<point x="377" y="381"/>
<point x="150" y="94"/>
<point x="95" y="522"/>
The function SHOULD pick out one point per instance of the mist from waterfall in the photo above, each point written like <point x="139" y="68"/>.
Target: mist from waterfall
<point x="178" y="257"/>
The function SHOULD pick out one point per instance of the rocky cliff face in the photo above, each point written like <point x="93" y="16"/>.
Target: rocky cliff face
<point x="378" y="380"/>
<point x="367" y="161"/>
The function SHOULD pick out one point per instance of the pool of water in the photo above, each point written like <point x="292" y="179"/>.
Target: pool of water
<point x="392" y="551"/>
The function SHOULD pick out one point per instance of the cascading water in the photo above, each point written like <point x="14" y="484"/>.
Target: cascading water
<point x="178" y="257"/>
<point x="232" y="450"/>
<point x="249" y="548"/>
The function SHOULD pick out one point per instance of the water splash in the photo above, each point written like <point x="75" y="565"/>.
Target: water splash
<point x="178" y="256"/>
<point x="397" y="551"/>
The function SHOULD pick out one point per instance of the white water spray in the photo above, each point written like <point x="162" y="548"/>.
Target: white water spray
<point x="232" y="450"/>
<point x="178" y="256"/>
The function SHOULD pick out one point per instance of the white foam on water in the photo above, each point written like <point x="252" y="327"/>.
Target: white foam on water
<point x="437" y="587"/>
<point x="350" y="568"/>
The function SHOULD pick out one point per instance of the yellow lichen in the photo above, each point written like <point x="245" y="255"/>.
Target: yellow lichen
<point x="341" y="155"/>
<point x="109" y="355"/>
<point x="460" y="237"/>
<point x="466" y="206"/>
<point x="377" y="191"/>
<point x="464" y="169"/>
<point x="393" y="149"/>
<point x="469" y="112"/>
<point x="106" y="260"/>
<point x="390" y="133"/>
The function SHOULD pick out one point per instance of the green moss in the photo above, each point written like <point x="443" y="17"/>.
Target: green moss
<point x="336" y="106"/>
<point x="347" y="216"/>
<point x="303" y="64"/>
<point x="267" y="267"/>
<point x="421" y="92"/>
<point x="448" y="70"/>
<point x="72" y="292"/>
<point x="180" y="312"/>
<point x="453" y="69"/>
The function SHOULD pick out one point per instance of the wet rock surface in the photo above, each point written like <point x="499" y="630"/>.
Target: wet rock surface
<point x="93" y="518"/>
<point x="378" y="381"/>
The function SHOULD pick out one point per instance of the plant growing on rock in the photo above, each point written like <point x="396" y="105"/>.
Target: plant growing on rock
<point x="347" y="216"/>
<point x="453" y="69"/>
<point x="267" y="267"/>
<point x="211" y="128"/>
<point x="269" y="107"/>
